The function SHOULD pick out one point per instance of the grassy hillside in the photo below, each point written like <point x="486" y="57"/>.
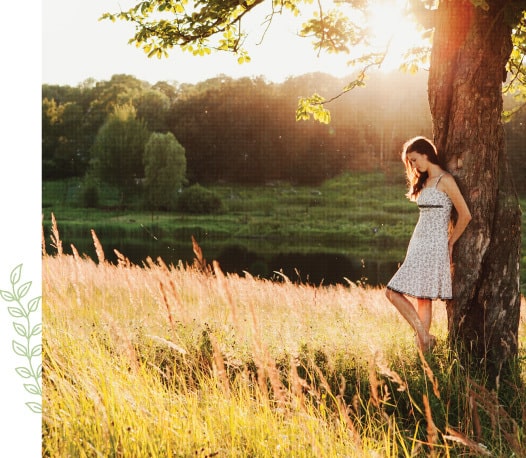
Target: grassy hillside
<point x="352" y="208"/>
<point x="177" y="362"/>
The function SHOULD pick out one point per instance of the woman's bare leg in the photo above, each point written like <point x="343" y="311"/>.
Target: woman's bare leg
<point x="406" y="309"/>
<point x="425" y="312"/>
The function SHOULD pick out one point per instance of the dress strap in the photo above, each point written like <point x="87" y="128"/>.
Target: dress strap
<point x="439" y="178"/>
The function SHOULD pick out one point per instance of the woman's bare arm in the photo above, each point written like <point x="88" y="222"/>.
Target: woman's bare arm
<point x="450" y="187"/>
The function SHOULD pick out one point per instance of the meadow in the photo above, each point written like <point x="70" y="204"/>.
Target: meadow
<point x="354" y="209"/>
<point x="184" y="361"/>
<point x="361" y="215"/>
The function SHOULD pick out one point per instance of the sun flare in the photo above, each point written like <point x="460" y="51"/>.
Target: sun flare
<point x="392" y="28"/>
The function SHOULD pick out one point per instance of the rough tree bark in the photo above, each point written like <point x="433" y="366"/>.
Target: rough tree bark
<point x="470" y="49"/>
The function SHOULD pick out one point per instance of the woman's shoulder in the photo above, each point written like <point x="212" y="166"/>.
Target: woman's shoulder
<point x="447" y="183"/>
<point x="447" y="178"/>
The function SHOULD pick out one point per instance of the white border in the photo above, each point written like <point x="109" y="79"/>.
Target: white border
<point x="20" y="210"/>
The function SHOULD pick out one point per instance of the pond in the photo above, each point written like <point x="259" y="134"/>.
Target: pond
<point x="329" y="264"/>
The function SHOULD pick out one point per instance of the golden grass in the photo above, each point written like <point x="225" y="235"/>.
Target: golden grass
<point x="165" y="361"/>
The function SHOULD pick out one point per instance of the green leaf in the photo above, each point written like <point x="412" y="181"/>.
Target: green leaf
<point x="109" y="16"/>
<point x="16" y="312"/>
<point x="20" y="349"/>
<point x="30" y="388"/>
<point x="37" y="329"/>
<point x="322" y="115"/>
<point x="20" y="330"/>
<point x="36" y="350"/>
<point x="7" y="296"/>
<point x="35" y="407"/>
<point x="24" y="289"/>
<point x="23" y="372"/>
<point x="16" y="274"/>
<point x="33" y="304"/>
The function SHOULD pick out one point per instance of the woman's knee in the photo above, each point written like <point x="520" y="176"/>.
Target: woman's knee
<point x="390" y="294"/>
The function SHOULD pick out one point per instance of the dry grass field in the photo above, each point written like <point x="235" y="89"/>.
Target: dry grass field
<point x="183" y="361"/>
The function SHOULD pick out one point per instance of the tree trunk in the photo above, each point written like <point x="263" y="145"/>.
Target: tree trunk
<point x="470" y="50"/>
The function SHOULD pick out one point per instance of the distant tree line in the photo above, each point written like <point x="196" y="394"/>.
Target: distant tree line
<point x="241" y="130"/>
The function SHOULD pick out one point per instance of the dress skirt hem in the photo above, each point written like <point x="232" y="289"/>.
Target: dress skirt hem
<point x="433" y="298"/>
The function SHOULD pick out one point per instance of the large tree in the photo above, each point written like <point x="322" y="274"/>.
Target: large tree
<point x="471" y="55"/>
<point x="471" y="48"/>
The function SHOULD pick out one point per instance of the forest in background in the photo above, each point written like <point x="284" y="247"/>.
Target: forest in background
<point x="244" y="130"/>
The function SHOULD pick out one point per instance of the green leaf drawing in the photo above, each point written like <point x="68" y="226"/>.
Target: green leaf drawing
<point x="16" y="312"/>
<point x="30" y="388"/>
<point x="24" y="289"/>
<point x="37" y="329"/>
<point x="23" y="372"/>
<point x="33" y="304"/>
<point x="7" y="296"/>
<point x="31" y="371"/>
<point x="16" y="274"/>
<point x="35" y="406"/>
<point x="20" y="330"/>
<point x="20" y="349"/>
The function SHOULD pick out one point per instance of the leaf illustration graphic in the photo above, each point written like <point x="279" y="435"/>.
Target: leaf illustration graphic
<point x="37" y="329"/>
<point x="20" y="349"/>
<point x="36" y="351"/>
<point x="24" y="289"/>
<point x="29" y="350"/>
<point x="16" y="274"/>
<point x="20" y="330"/>
<point x="23" y="372"/>
<point x="16" y="312"/>
<point x="7" y="296"/>
<point x="33" y="304"/>
<point x="30" y="388"/>
<point x="35" y="406"/>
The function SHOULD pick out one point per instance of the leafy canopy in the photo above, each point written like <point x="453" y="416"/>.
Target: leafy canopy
<point x="118" y="148"/>
<point x="336" y="26"/>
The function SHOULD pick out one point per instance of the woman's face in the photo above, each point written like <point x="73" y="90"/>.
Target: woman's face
<point x="418" y="161"/>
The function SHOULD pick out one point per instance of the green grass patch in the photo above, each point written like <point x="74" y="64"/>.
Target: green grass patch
<point x="363" y="214"/>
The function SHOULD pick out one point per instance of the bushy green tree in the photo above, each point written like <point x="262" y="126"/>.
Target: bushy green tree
<point x="118" y="149"/>
<point x="164" y="169"/>
<point x="63" y="148"/>
<point x="198" y="199"/>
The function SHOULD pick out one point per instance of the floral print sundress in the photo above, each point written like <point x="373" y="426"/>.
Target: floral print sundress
<point x="426" y="270"/>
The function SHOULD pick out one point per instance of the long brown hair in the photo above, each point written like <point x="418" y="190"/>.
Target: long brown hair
<point x="416" y="179"/>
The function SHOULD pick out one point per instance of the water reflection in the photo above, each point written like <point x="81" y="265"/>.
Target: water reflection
<point x="314" y="268"/>
<point x="323" y="267"/>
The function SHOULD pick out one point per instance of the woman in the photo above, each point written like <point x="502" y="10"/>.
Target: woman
<point x="425" y="273"/>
